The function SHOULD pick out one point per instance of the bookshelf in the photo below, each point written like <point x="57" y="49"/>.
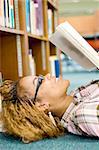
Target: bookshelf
<point x="16" y="41"/>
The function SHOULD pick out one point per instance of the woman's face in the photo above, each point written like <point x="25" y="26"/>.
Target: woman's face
<point x="50" y="89"/>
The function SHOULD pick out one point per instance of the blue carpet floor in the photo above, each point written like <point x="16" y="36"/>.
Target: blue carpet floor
<point x="67" y="142"/>
<point x="80" y="78"/>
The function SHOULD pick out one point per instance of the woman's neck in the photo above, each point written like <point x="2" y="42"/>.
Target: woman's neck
<point x="62" y="105"/>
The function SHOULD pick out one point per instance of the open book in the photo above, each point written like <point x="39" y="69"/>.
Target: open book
<point x="67" y="39"/>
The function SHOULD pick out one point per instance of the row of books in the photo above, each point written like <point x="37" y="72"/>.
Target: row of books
<point x="7" y="13"/>
<point x="34" y="17"/>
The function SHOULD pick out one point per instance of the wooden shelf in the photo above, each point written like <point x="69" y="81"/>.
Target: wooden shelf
<point x="14" y="31"/>
<point x="52" y="5"/>
<point x="37" y="37"/>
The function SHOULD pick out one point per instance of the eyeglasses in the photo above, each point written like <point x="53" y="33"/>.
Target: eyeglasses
<point x="39" y="82"/>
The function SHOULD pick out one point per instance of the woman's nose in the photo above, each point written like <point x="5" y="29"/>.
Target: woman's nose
<point x="48" y="76"/>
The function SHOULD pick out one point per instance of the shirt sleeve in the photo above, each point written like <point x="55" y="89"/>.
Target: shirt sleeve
<point x="86" y="118"/>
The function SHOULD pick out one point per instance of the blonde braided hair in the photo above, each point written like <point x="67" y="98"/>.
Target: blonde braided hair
<point x="22" y="118"/>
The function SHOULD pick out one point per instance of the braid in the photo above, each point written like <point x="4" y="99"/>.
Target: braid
<point x="8" y="90"/>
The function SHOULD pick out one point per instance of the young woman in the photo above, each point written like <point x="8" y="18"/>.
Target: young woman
<point x="36" y="107"/>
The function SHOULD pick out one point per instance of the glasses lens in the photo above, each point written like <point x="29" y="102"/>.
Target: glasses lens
<point x="40" y="79"/>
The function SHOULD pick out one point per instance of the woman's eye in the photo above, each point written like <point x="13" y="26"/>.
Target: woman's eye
<point x="35" y="81"/>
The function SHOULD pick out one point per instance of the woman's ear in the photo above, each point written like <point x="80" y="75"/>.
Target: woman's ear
<point x="42" y="106"/>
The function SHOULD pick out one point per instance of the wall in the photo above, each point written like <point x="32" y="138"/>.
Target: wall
<point x="86" y="25"/>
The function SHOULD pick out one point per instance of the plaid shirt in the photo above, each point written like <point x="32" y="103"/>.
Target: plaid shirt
<point x="82" y="116"/>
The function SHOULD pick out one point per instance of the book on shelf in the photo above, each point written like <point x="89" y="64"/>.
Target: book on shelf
<point x="49" y="12"/>
<point x="19" y="56"/>
<point x="54" y="66"/>
<point x="39" y="17"/>
<point x="34" y="17"/>
<point x="43" y="55"/>
<point x="55" y="19"/>
<point x="32" y="63"/>
<point x="17" y="25"/>
<point x="12" y="20"/>
<point x="67" y="39"/>
<point x="6" y="3"/>
<point x="27" y="5"/>
<point x="2" y="21"/>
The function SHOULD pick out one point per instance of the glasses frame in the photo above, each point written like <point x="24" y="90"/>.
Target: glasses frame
<point x="39" y="82"/>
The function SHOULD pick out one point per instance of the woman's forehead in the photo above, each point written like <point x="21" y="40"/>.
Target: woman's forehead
<point x="28" y="80"/>
<point x="26" y="86"/>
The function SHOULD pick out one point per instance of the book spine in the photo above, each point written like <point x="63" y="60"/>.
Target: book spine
<point x="10" y="24"/>
<point x="39" y="17"/>
<point x="19" y="56"/>
<point x="6" y="13"/>
<point x="49" y="21"/>
<point x="52" y="68"/>
<point x="57" y="68"/>
<point x="36" y="18"/>
<point x="43" y="52"/>
<point x="52" y="65"/>
<point x="41" y="31"/>
<point x="32" y="17"/>
<point x="32" y="63"/>
<point x="11" y="14"/>
<point x="17" y="25"/>
<point x="55" y="19"/>
<point x="28" y="15"/>
<point x="2" y="22"/>
<point x="31" y="13"/>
